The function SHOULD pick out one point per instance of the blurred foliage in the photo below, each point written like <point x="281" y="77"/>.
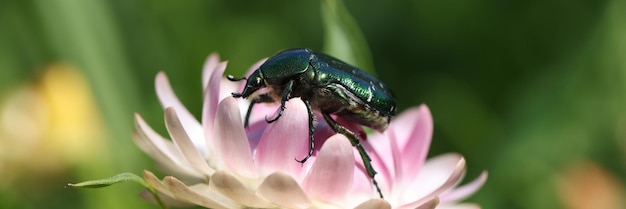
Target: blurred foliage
<point x="523" y="89"/>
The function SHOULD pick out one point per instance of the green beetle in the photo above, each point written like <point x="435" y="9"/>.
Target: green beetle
<point x="325" y="84"/>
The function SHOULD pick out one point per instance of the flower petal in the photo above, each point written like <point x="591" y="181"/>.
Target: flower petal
<point x="209" y="66"/>
<point x="254" y="131"/>
<point x="332" y="173"/>
<point x="231" y="141"/>
<point x="260" y="110"/>
<point x="374" y="204"/>
<point x="212" y="97"/>
<point x="168" y="99"/>
<point x="167" y="200"/>
<point x="182" y="141"/>
<point x="156" y="183"/>
<point x="161" y="149"/>
<point x="462" y="192"/>
<point x="282" y="189"/>
<point x="425" y="202"/>
<point x="379" y="150"/>
<point x="438" y="175"/>
<point x="430" y="204"/>
<point x="362" y="188"/>
<point x="232" y="188"/>
<point x="199" y="194"/>
<point x="227" y="87"/>
<point x="400" y="152"/>
<point x="162" y="161"/>
<point x="414" y="146"/>
<point x="356" y="128"/>
<point x="290" y="135"/>
<point x="175" y="192"/>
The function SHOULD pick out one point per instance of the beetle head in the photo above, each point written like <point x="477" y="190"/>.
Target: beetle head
<point x="254" y="83"/>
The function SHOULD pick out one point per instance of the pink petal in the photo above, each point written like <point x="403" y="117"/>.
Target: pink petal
<point x="331" y="176"/>
<point x="400" y="152"/>
<point x="254" y="131"/>
<point x="227" y="88"/>
<point x="168" y="99"/>
<point x="408" y="137"/>
<point x="209" y="106"/>
<point x="399" y="181"/>
<point x="232" y="188"/>
<point x="362" y="187"/>
<point x="231" y="141"/>
<point x="212" y="97"/>
<point x="184" y="144"/>
<point x="414" y="144"/>
<point x="209" y="66"/>
<point x="438" y="175"/>
<point x="462" y="192"/>
<point x="163" y="162"/>
<point x="161" y="149"/>
<point x="285" y="140"/>
<point x="352" y="126"/>
<point x="261" y="111"/>
<point x="282" y="189"/>
<point x="379" y="149"/>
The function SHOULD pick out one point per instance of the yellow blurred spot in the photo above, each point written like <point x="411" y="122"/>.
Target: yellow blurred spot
<point x="75" y="125"/>
<point x="49" y="125"/>
<point x="587" y="185"/>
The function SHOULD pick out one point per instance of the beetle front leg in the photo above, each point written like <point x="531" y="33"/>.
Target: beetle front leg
<point x="286" y="94"/>
<point x="311" y="129"/>
<point x="263" y="98"/>
<point x="354" y="139"/>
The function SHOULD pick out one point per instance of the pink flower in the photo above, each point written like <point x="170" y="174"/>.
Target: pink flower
<point x="217" y="163"/>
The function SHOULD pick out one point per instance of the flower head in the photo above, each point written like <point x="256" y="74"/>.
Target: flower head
<point x="219" y="163"/>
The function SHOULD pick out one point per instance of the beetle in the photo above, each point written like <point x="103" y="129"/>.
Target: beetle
<point x="327" y="85"/>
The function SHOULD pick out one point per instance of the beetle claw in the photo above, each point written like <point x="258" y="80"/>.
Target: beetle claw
<point x="232" y="78"/>
<point x="280" y="113"/>
<point x="271" y="120"/>
<point x="303" y="160"/>
<point x="237" y="95"/>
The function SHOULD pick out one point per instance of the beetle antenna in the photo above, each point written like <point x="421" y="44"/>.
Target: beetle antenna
<point x="232" y="78"/>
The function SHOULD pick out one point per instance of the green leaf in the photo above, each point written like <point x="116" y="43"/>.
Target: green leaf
<point x="119" y="178"/>
<point x="122" y="177"/>
<point x="343" y="38"/>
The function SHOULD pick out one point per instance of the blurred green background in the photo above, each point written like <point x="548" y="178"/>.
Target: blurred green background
<point x="532" y="91"/>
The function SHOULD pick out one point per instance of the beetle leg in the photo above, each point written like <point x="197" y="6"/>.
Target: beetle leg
<point x="286" y="94"/>
<point x="263" y="98"/>
<point x="311" y="129"/>
<point x="354" y="139"/>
